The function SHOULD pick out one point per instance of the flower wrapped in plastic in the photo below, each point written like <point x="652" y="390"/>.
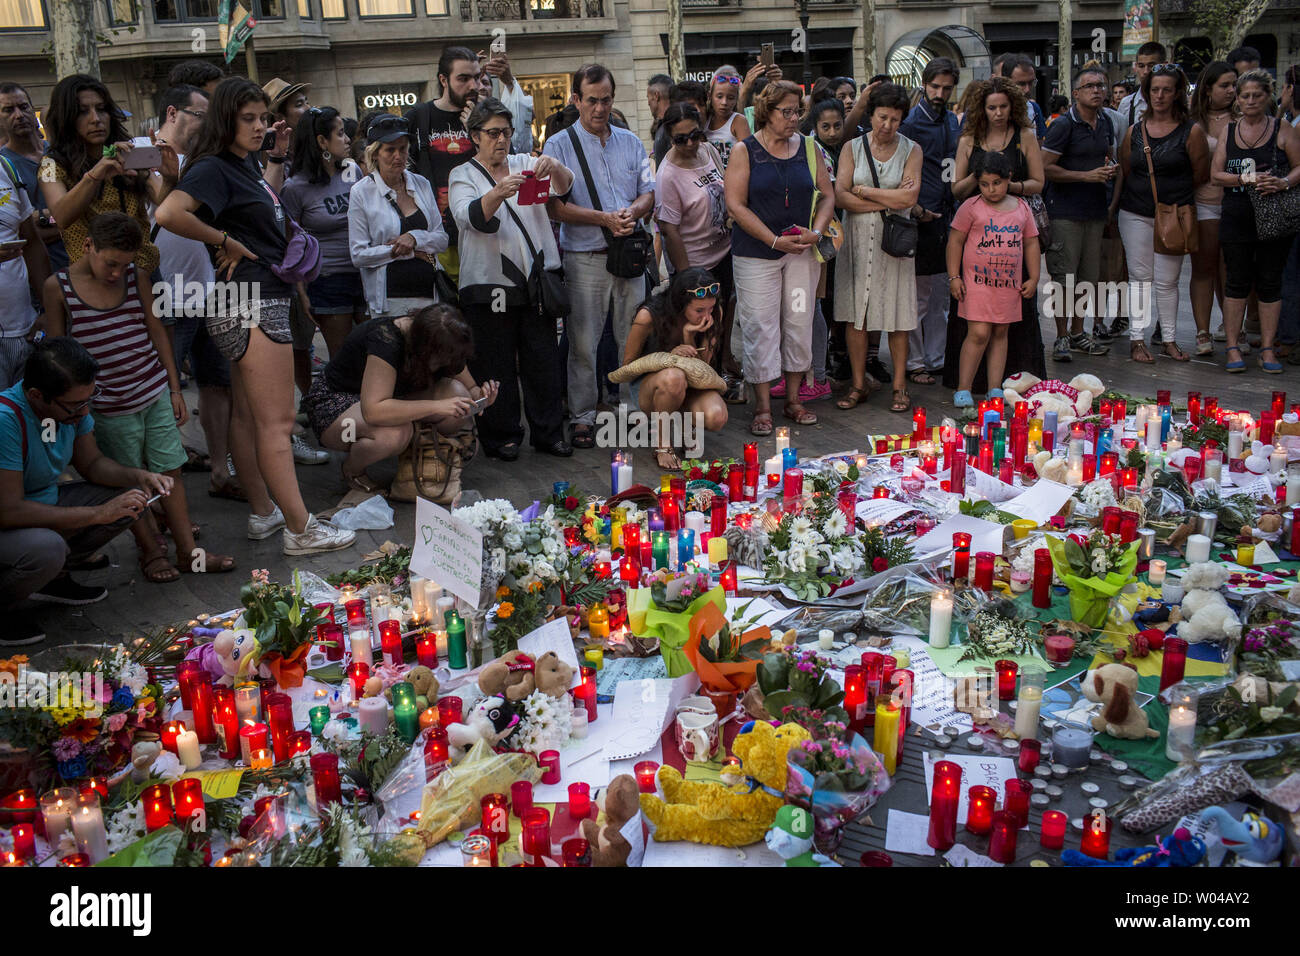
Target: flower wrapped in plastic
<point x="1095" y="569"/>
<point x="725" y="654"/>
<point x="451" y="800"/>
<point x="665" y="611"/>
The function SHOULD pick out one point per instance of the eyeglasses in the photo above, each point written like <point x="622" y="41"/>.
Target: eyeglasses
<point x="603" y="101"/>
<point x="197" y="114"/>
<point x="790" y="113"/>
<point x="498" y="132"/>
<point x="705" y="291"/>
<point x="681" y="139"/>
<point x="81" y="407"/>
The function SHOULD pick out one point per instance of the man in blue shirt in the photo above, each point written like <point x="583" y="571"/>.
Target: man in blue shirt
<point x="47" y="528"/>
<point x="625" y="186"/>
<point x="933" y="127"/>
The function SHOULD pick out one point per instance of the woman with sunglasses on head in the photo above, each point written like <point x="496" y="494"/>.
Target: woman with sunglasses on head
<point x="690" y="201"/>
<point x="1165" y="145"/>
<point x="770" y="183"/>
<point x="394" y="227"/>
<point x="316" y="196"/>
<point x="684" y="320"/>
<point x="1212" y="110"/>
<point x="503" y="242"/>
<point x="223" y="201"/>
<point x="726" y="125"/>
<point x="1262" y="153"/>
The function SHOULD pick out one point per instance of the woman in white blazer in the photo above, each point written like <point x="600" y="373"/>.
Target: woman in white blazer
<point x="394" y="226"/>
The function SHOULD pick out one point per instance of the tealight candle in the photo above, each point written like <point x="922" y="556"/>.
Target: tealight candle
<point x="1156" y="572"/>
<point x="1182" y="722"/>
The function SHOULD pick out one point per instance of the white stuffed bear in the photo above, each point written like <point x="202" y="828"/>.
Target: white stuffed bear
<point x="1052" y="396"/>
<point x="490" y="719"/>
<point x="1205" y="613"/>
<point x="1053" y="469"/>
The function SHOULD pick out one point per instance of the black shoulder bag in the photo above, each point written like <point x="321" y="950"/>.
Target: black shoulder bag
<point x="900" y="232"/>
<point x="626" y="257"/>
<point x="546" y="288"/>
<point x="447" y="292"/>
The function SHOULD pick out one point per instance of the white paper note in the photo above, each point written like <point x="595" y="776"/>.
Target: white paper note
<point x="1255" y="485"/>
<point x="961" y="855"/>
<point x="881" y="511"/>
<point x="1040" y="502"/>
<point x="448" y="550"/>
<point x="907" y="833"/>
<point x="988" y="486"/>
<point x="976" y="771"/>
<point x="933" y="694"/>
<point x="985" y="535"/>
<point x="552" y="636"/>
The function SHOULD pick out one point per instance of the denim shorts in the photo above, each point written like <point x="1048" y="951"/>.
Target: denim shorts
<point x="337" y="294"/>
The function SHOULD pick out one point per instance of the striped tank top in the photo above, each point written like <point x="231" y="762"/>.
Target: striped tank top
<point x="130" y="375"/>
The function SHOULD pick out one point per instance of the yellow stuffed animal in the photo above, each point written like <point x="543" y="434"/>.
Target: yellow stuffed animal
<point x="727" y="816"/>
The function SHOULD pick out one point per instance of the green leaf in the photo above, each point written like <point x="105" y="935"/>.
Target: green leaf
<point x="778" y="700"/>
<point x="1285" y="698"/>
<point x="157" y="849"/>
<point x="828" y="694"/>
<point x="772" y="672"/>
<point x="1074" y="554"/>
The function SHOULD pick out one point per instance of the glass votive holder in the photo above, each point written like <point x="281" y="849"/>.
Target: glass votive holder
<point x="579" y="800"/>
<point x="646" y="772"/>
<point x="1053" y="829"/>
<point x="1030" y="752"/>
<point x="521" y="797"/>
<point x="476" y="850"/>
<point x="1006" y="671"/>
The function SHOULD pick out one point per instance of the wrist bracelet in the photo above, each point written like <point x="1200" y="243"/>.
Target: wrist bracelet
<point x="774" y="239"/>
<point x="275" y="159"/>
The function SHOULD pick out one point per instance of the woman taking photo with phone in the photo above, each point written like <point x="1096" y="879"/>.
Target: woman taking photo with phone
<point x="87" y="168"/>
<point x="223" y="201"/>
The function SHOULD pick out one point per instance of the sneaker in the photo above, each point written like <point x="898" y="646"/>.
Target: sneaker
<point x="318" y="536"/>
<point x="304" y="454"/>
<point x="812" y="393"/>
<point x="1085" y="343"/>
<point x="778" y="390"/>
<point x="1061" y="350"/>
<point x="64" y="590"/>
<point x="1119" y="327"/>
<point x="1100" y="332"/>
<point x="21" y="629"/>
<point x="261" y="527"/>
<point x="1220" y="335"/>
<point x="876" y="369"/>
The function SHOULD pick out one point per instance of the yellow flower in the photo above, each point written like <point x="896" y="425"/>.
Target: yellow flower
<point x="504" y="610"/>
<point x="502" y="592"/>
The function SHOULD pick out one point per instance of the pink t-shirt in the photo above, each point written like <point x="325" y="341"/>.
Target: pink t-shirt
<point x="694" y="201"/>
<point x="992" y="259"/>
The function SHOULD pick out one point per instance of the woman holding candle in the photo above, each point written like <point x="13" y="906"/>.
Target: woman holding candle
<point x="685" y="320"/>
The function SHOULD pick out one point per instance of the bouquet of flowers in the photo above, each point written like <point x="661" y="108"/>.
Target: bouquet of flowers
<point x="795" y="677"/>
<point x="725" y="653"/>
<point x="815" y="552"/>
<point x="1095" y="569"/>
<point x="284" y="624"/>
<point x="1264" y="648"/>
<point x="666" y="610"/>
<point x="995" y="631"/>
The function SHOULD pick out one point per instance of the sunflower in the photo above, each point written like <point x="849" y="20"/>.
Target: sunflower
<point x="504" y="610"/>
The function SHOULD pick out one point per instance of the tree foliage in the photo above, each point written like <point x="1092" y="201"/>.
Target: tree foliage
<point x="1226" y="22"/>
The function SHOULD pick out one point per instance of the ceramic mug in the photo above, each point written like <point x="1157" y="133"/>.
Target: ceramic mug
<point x="697" y="735"/>
<point x="697" y="704"/>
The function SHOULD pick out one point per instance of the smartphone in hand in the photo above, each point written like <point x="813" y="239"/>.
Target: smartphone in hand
<point x="268" y="141"/>
<point x="767" y="56"/>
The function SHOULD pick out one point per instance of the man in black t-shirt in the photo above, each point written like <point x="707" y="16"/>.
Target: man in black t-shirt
<point x="441" y="143"/>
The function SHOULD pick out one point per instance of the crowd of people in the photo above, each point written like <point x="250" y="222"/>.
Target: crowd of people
<point x="468" y="281"/>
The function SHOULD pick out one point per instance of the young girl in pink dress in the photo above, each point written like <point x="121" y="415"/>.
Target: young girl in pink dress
<point x="992" y="235"/>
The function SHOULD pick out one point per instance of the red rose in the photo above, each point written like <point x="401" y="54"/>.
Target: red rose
<point x="570" y="503"/>
<point x="879" y="564"/>
<point x="695" y="474"/>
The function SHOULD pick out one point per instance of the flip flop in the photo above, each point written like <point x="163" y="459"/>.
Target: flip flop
<point x="801" y="417"/>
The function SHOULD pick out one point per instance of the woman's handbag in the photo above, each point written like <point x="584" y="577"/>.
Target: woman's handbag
<point x="900" y="232"/>
<point x="1277" y="215"/>
<point x="546" y="288"/>
<point x="1175" y="226"/>
<point x="833" y="238"/>
<point x="301" y="262"/>
<point x="430" y="466"/>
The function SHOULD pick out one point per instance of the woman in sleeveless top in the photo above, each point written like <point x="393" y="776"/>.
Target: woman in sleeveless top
<point x="725" y="126"/>
<point x="1212" y="110"/>
<point x="997" y="120"/>
<point x="769" y="187"/>
<point x="874" y="291"/>
<point x="1180" y="162"/>
<point x="1257" y="152"/>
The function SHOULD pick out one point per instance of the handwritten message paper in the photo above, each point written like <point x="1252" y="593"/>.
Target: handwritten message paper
<point x="976" y="771"/>
<point x="979" y="484"/>
<point x="985" y="535"/>
<point x="933" y="694"/>
<point x="881" y="511"/>
<point x="448" y="551"/>
<point x="1041" y="501"/>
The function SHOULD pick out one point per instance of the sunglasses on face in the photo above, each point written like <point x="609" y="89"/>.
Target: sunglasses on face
<point x="681" y="139"/>
<point x="705" y="291"/>
<point x="389" y="124"/>
<point x="1165" y="69"/>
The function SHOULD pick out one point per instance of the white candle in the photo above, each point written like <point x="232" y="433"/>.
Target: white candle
<point x="1156" y="572"/>
<point x="578" y="723"/>
<point x="1182" y="730"/>
<point x="359" y="641"/>
<point x="431" y="592"/>
<point x="1277" y="461"/>
<point x="1293" y="488"/>
<point x="1234" y="444"/>
<point x="88" y="828"/>
<point x="1074" y="474"/>
<point x="1153" y="434"/>
<point x="444" y="604"/>
<point x="1198" y="549"/>
<point x="1028" y="704"/>
<point x="698" y="522"/>
<point x="56" y="811"/>
<point x="1172" y="593"/>
<point x="940" y="619"/>
<point x="782" y="441"/>
<point x="187" y="749"/>
<point x="374" y="715"/>
<point x="440" y="641"/>
<point x="1173" y="444"/>
<point x="248" y="699"/>
<point x="624" y="477"/>
<point x="1213" y="467"/>
<point x="772" y="466"/>
<point x="1140" y="418"/>
<point x="825" y="639"/>
<point x="419" y="606"/>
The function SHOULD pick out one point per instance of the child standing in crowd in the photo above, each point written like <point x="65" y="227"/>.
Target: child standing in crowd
<point x="101" y="301"/>
<point x="726" y="127"/>
<point x="992" y="237"/>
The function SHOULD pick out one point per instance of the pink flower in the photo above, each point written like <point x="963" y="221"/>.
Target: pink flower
<point x="114" y="722"/>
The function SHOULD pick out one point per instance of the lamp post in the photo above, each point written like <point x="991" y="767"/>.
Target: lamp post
<point x="807" y="60"/>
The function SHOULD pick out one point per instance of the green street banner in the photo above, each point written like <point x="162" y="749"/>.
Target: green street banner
<point x="234" y="27"/>
<point x="1139" y="25"/>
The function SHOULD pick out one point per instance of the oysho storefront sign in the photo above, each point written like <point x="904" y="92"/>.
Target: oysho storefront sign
<point x="394" y="99"/>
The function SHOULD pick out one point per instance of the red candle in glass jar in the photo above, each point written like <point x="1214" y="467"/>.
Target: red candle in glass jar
<point x="1110" y="519"/>
<point x="1128" y="526"/>
<point x="728" y="578"/>
<point x="495" y="817"/>
<point x="1108" y="463"/>
<point x="1119" y="410"/>
<point x="449" y="710"/>
<point x="225" y="718"/>
<point x="888" y="663"/>
<point x="873" y="668"/>
<point x="980" y="803"/>
<point x="717" y="516"/>
<point x="1267" y="422"/>
<point x="390" y="642"/>
<point x="358" y="672"/>
<point x="1128" y="478"/>
<point x="855" y="696"/>
<point x="325" y="777"/>
<point x="957" y="472"/>
<point x="646" y="773"/>
<point x="96" y="785"/>
<point x="426" y="650"/>
<point x="585" y="693"/>
<point x="1278" y="405"/>
<point x="1089" y="467"/>
<point x="437" y="752"/>
<point x="1104" y="409"/>
<point x="751" y="453"/>
<point x="521" y="797"/>
<point x="24" y="837"/>
<point x="1194" y="407"/>
<point x="156" y="801"/>
<point x="880" y="491"/>
<point x="671" y="513"/>
<point x="1053" y="830"/>
<point x="1006" y="471"/>
<point x="579" y="800"/>
<point x="187" y="798"/>
<point x="279" y="718"/>
<point x="1174" y="661"/>
<point x="918" y="424"/>
<point x="960" y="555"/>
<point x="571" y="539"/>
<point x="253" y="736"/>
<point x="629" y="569"/>
<point x="792" y="486"/>
<point x="535" y="832"/>
<point x="200" y="693"/>
<point x="848" y="502"/>
<point x="735" y="475"/>
<point x="632" y="539"/>
<point x="984" y="570"/>
<point x="604" y="570"/>
<point x="903" y="682"/>
<point x="1042" y="597"/>
<point x="355" y="610"/>
<point x="750" y="490"/>
<point x="186" y="671"/>
<point x="949" y="447"/>
<point x="1017" y="793"/>
<point x="986" y="457"/>
<point x="1096" y="836"/>
<point x="330" y="638"/>
<point x="1002" y="837"/>
<point x="945" y="796"/>
<point x="549" y="761"/>
<point x="170" y="731"/>
<point x="1030" y="752"/>
<point x="1006" y="671"/>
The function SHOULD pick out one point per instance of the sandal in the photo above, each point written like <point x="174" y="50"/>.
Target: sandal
<point x="1239" y="365"/>
<point x="667" y="459"/>
<point x="1273" y="368"/>
<point x="230" y="490"/>
<point x="761" y="426"/>
<point x="582" y="437"/>
<point x="212" y="564"/>
<point x="1204" y="343"/>
<point x="159" y="569"/>
<point x="196" y="462"/>
<point x="853" y="398"/>
<point x="796" y="413"/>
<point x="902" y="401"/>
<point x="1171" y="350"/>
<point x="920" y="376"/>
<point x="1138" y="353"/>
<point x="361" y="482"/>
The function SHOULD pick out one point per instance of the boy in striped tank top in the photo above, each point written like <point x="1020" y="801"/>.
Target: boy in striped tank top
<point x="103" y="303"/>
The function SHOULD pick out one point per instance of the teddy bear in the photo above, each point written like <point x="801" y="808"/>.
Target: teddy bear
<point x="727" y="816"/>
<point x="1115" y="686"/>
<point x="1053" y="469"/>
<point x="143" y="755"/>
<point x="425" y="683"/>
<point x="1204" y="612"/>
<point x="1069" y="400"/>
<point x="491" y="719"/>
<point x="514" y="675"/>
<point x="622" y="803"/>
